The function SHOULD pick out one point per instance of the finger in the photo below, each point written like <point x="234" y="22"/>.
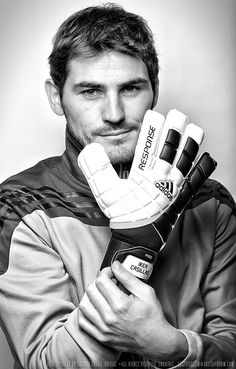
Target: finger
<point x="147" y="145"/>
<point x="91" y="314"/>
<point x="200" y="172"/>
<point x="107" y="272"/>
<point x="110" y="192"/>
<point x="173" y="129"/>
<point x="134" y="285"/>
<point x="110" y="291"/>
<point x="98" y="301"/>
<point x="187" y="152"/>
<point x="89" y="327"/>
<point x="204" y="167"/>
<point x="99" y="173"/>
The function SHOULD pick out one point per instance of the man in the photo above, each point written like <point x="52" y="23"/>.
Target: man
<point x="56" y="309"/>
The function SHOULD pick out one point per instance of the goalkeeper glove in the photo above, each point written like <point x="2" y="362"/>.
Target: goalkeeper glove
<point x="163" y="178"/>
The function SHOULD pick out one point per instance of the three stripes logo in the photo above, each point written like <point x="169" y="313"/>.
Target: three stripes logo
<point x="166" y="187"/>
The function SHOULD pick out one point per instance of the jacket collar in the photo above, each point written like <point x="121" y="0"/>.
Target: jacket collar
<point x="70" y="156"/>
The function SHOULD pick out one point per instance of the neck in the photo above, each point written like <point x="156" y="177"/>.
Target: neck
<point x="122" y="169"/>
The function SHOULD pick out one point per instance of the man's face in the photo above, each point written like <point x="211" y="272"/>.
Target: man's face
<point x="104" y="100"/>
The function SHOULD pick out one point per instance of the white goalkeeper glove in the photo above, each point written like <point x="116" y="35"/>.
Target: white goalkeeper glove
<point x="144" y="208"/>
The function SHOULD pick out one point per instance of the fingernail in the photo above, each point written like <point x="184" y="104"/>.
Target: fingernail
<point x="116" y="265"/>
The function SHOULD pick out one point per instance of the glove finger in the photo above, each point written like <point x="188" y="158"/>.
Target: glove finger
<point x="147" y="145"/>
<point x="200" y="172"/>
<point x="99" y="173"/>
<point x="187" y="152"/>
<point x="172" y="132"/>
<point x="173" y="129"/>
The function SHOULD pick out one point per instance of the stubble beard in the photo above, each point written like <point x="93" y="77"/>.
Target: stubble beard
<point x="118" y="152"/>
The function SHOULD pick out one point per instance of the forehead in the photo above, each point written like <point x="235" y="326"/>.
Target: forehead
<point x="105" y="68"/>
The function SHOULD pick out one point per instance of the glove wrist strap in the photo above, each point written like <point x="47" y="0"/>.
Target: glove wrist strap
<point x="139" y="260"/>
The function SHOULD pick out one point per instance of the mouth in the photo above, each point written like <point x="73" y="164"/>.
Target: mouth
<point x="116" y="134"/>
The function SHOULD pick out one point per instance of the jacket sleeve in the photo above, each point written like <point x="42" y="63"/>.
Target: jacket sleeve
<point x="215" y="346"/>
<point x="219" y="293"/>
<point x="39" y="305"/>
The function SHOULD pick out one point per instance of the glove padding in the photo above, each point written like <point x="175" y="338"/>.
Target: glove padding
<point x="144" y="208"/>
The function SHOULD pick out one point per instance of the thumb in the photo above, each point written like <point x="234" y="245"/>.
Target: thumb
<point x="129" y="281"/>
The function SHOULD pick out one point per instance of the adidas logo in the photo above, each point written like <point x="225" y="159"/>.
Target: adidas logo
<point x="166" y="187"/>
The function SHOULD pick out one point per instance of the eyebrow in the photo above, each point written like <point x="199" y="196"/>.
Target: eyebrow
<point x="91" y="84"/>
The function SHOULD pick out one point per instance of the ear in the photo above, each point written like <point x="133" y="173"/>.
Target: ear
<point x="54" y="96"/>
<point x="156" y="94"/>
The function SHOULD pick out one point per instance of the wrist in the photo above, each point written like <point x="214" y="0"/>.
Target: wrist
<point x="175" y="351"/>
<point x="181" y="348"/>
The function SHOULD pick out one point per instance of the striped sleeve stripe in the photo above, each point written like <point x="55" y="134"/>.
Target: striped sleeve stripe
<point x="15" y="204"/>
<point x="213" y="189"/>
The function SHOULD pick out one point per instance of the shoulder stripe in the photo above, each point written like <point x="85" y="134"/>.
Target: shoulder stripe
<point x="25" y="200"/>
<point x="15" y="204"/>
<point x="213" y="189"/>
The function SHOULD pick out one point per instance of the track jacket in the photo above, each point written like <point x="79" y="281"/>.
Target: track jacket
<point x="53" y="238"/>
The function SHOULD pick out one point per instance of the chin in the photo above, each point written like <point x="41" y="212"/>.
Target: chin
<point x="120" y="154"/>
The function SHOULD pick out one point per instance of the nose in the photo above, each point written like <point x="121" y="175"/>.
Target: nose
<point x="113" y="109"/>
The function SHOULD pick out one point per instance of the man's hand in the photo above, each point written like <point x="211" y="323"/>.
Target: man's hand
<point x="129" y="323"/>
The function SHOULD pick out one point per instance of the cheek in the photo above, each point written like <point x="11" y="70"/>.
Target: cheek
<point x="80" y="117"/>
<point x="147" y="100"/>
<point x="87" y="114"/>
<point x="85" y="121"/>
<point x="136" y="110"/>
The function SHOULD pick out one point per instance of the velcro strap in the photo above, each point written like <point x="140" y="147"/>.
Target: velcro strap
<point x="136" y="259"/>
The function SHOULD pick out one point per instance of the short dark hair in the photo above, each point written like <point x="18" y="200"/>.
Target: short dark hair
<point x="96" y="29"/>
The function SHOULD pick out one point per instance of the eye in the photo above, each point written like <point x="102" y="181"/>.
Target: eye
<point x="91" y="93"/>
<point x="130" y="90"/>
